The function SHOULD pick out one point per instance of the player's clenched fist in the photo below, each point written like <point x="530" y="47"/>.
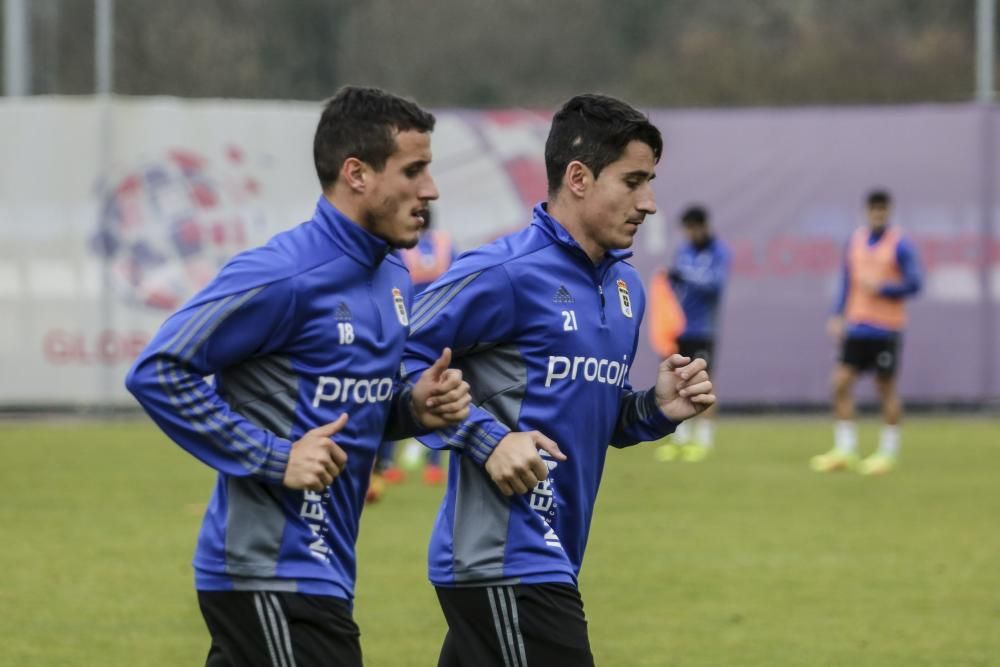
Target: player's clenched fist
<point x="315" y="459"/>
<point x="683" y="388"/>
<point x="441" y="397"/>
<point x="515" y="465"/>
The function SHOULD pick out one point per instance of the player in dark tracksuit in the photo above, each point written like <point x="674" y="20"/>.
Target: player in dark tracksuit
<point x="544" y="323"/>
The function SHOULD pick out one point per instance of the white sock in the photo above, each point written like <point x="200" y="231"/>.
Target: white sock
<point x="845" y="437"/>
<point x="888" y="444"/>
<point x="704" y="432"/>
<point x="683" y="433"/>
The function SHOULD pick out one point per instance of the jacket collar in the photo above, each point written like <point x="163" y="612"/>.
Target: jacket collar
<point x="553" y="228"/>
<point x="357" y="243"/>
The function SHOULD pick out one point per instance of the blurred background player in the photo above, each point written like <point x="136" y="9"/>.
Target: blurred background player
<point x="698" y="278"/>
<point x="881" y="271"/>
<point x="429" y="259"/>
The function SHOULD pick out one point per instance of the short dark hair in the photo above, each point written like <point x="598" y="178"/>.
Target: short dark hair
<point x="878" y="198"/>
<point x="694" y="215"/>
<point x="595" y="130"/>
<point x="360" y="122"/>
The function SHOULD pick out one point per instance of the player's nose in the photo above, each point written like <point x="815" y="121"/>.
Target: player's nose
<point x="647" y="200"/>
<point x="429" y="191"/>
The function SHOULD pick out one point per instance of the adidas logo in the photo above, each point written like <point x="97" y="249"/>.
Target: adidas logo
<point x="343" y="312"/>
<point x="563" y="295"/>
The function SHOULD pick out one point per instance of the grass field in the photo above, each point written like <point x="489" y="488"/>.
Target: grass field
<point x="747" y="559"/>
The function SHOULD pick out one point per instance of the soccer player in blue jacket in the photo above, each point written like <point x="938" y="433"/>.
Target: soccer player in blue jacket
<point x="544" y="324"/>
<point x="304" y="337"/>
<point x="698" y="278"/>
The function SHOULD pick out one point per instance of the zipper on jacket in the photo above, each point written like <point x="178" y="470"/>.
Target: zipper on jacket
<point x="378" y="313"/>
<point x="598" y="277"/>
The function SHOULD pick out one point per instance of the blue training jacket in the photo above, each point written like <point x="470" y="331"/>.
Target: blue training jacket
<point x="545" y="338"/>
<point x="698" y="277"/>
<point x="296" y="332"/>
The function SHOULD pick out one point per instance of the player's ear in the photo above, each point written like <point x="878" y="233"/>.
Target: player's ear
<point x="354" y="174"/>
<point x="577" y="178"/>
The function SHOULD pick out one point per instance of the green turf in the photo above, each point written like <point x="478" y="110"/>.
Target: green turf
<point x="747" y="559"/>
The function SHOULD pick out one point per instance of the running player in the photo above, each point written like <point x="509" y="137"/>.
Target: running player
<point x="304" y="336"/>
<point x="544" y="323"/>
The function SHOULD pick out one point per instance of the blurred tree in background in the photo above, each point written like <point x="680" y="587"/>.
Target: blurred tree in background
<point x="488" y="53"/>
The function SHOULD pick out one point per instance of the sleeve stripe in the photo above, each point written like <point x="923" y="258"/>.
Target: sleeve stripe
<point x="203" y="336"/>
<point x="272" y="413"/>
<point x="423" y="299"/>
<point x="206" y="312"/>
<point x="430" y="299"/>
<point x="475" y="444"/>
<point x="193" y="405"/>
<point x="227" y="422"/>
<point x="472" y="440"/>
<point x="206" y="424"/>
<point x="483" y="445"/>
<point x="435" y="309"/>
<point x="201" y="415"/>
<point x="427" y="299"/>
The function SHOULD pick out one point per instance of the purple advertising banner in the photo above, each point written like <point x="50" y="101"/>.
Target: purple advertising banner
<point x="785" y="189"/>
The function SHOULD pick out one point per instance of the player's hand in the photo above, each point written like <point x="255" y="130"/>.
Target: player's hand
<point x="835" y="327"/>
<point x="315" y="459"/>
<point x="683" y="388"/>
<point x="441" y="397"/>
<point x="515" y="465"/>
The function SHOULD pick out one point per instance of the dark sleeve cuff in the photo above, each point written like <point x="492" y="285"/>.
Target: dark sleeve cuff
<point x="402" y="423"/>
<point x="653" y="417"/>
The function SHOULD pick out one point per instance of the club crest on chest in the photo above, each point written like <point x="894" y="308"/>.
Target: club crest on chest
<point x="624" y="299"/>
<point x="400" y="307"/>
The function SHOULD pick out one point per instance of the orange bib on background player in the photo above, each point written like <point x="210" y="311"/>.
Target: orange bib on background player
<point x="874" y="264"/>
<point x="426" y="268"/>
<point x="666" y="319"/>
